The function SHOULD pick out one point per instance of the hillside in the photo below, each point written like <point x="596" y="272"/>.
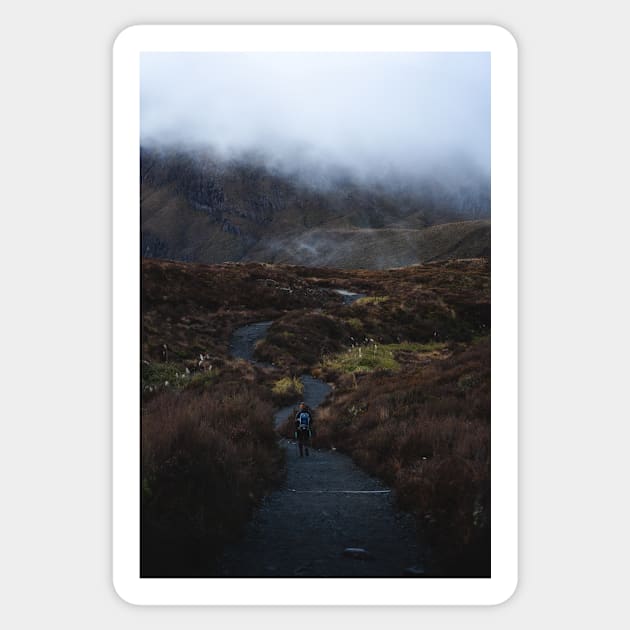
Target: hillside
<point x="408" y="367"/>
<point x="195" y="207"/>
<point x="377" y="248"/>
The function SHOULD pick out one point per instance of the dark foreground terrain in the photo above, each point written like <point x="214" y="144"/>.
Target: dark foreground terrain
<point x="408" y="366"/>
<point x="329" y="518"/>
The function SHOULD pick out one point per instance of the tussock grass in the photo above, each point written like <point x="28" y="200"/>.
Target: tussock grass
<point x="158" y="376"/>
<point x="371" y="300"/>
<point x="194" y="308"/>
<point x="202" y="380"/>
<point x="355" y="324"/>
<point x="373" y="356"/>
<point x="207" y="457"/>
<point x="427" y="433"/>
<point x="300" y="339"/>
<point x="411" y="401"/>
<point x="287" y="389"/>
<point x="154" y="375"/>
<point x="444" y="302"/>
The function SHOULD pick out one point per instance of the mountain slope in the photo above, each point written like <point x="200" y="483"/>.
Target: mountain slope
<point x="377" y="248"/>
<point x="197" y="208"/>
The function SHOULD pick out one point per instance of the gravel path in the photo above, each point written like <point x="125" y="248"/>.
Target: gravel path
<point x="330" y="519"/>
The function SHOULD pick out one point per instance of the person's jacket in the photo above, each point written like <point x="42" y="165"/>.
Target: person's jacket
<point x="310" y="417"/>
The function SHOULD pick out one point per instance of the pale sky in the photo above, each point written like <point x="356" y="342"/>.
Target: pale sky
<point x="407" y="113"/>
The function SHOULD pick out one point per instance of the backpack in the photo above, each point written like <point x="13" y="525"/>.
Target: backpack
<point x="305" y="420"/>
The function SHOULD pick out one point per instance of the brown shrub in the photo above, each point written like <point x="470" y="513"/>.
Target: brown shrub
<point x="425" y="429"/>
<point x="300" y="339"/>
<point x="206" y="459"/>
<point x="427" y="433"/>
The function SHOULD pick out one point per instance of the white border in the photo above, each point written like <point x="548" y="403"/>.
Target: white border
<point x="126" y="312"/>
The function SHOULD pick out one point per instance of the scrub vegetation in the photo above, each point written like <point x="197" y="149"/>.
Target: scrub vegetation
<point x="287" y="389"/>
<point x="410" y="369"/>
<point x="207" y="458"/>
<point x="426" y="432"/>
<point x="372" y="356"/>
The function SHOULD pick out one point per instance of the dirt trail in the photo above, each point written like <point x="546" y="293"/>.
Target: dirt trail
<point x="330" y="519"/>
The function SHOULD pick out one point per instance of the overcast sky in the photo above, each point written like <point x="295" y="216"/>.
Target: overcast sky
<point x="369" y="112"/>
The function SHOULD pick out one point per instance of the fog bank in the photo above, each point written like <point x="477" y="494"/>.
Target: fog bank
<point x="383" y="116"/>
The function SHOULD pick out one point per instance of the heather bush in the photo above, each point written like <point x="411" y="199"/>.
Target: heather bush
<point x="207" y="458"/>
<point x="427" y="433"/>
<point x="411" y="401"/>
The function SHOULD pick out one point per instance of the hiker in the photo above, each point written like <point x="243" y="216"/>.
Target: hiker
<point x="303" y="427"/>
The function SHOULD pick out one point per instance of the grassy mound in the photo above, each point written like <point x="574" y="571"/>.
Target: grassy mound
<point x="372" y="356"/>
<point x="287" y="389"/>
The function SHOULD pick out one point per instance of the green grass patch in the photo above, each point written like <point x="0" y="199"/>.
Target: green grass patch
<point x="355" y="323"/>
<point x="156" y="376"/>
<point x="288" y="386"/>
<point x="377" y="299"/>
<point x="375" y="356"/>
<point x="200" y="380"/>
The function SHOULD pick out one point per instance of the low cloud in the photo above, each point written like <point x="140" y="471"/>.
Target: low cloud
<point x="382" y="116"/>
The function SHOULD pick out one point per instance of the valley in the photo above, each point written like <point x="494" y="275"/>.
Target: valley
<point x="407" y="366"/>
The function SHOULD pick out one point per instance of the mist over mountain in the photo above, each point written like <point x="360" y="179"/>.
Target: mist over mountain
<point x="197" y="207"/>
<point x="340" y="159"/>
<point x="374" y="115"/>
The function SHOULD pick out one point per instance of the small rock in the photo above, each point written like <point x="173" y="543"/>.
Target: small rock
<point x="415" y="571"/>
<point x="358" y="553"/>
